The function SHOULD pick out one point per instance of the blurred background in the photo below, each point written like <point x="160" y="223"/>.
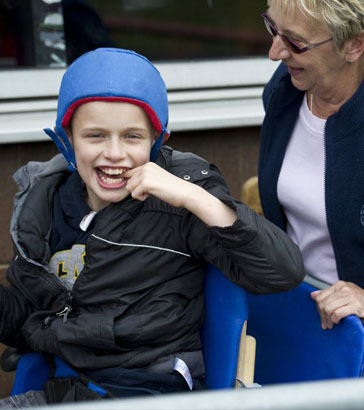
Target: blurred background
<point x="45" y="33"/>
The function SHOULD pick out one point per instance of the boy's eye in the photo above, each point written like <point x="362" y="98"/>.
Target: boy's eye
<point x="95" y="135"/>
<point x="132" y="136"/>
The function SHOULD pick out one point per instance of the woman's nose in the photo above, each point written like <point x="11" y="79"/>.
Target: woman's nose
<point x="278" y="50"/>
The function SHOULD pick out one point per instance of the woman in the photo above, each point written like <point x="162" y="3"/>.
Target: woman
<point x="311" y="168"/>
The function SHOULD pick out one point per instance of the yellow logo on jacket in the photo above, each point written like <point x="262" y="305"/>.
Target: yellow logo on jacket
<point x="68" y="264"/>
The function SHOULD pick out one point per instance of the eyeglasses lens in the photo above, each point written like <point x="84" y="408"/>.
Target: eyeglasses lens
<point x="270" y="28"/>
<point x="273" y="32"/>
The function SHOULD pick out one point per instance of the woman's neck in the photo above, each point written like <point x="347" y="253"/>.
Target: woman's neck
<point x="321" y="108"/>
<point x="323" y="103"/>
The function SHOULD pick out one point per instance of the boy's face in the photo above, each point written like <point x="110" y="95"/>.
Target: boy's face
<point x="109" y="138"/>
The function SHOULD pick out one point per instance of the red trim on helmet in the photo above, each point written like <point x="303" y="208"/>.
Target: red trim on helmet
<point x="147" y="108"/>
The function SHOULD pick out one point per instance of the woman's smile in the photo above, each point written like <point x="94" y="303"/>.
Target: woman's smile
<point x="295" y="71"/>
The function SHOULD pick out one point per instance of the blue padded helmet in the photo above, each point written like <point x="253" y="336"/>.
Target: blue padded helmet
<point x="111" y="74"/>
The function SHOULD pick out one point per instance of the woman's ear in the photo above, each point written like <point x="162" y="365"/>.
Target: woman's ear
<point x="354" y="48"/>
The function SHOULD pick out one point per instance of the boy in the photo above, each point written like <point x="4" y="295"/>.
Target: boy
<point x="110" y="256"/>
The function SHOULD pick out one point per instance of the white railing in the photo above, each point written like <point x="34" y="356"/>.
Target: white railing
<point x="345" y="394"/>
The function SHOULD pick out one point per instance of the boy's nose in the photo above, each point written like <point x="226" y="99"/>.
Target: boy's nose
<point x="278" y="50"/>
<point x="115" y="149"/>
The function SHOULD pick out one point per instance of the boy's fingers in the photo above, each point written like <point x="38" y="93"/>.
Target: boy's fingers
<point x="140" y="196"/>
<point x="137" y="189"/>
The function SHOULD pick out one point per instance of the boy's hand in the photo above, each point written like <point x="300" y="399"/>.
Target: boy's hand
<point x="150" y="179"/>
<point x="338" y="301"/>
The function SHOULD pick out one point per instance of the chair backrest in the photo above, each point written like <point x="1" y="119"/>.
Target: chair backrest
<point x="226" y="312"/>
<point x="292" y="347"/>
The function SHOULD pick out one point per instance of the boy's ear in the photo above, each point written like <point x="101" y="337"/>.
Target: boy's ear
<point x="354" y="48"/>
<point x="68" y="133"/>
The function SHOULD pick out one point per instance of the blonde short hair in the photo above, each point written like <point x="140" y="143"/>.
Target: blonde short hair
<point x="344" y="19"/>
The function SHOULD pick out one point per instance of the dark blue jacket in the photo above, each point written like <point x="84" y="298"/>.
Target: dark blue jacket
<point x="344" y="168"/>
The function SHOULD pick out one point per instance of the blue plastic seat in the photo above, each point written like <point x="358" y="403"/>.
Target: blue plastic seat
<point x="226" y="312"/>
<point x="31" y="372"/>
<point x="292" y="347"/>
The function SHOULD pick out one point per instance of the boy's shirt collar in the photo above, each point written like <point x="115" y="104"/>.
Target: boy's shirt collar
<point x="69" y="208"/>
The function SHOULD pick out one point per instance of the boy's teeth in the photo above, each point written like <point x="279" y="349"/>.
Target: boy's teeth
<point x="111" y="175"/>
<point x="113" y="171"/>
<point x="111" y="180"/>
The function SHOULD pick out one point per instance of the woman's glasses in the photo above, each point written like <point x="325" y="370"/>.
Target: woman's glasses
<point x="290" y="44"/>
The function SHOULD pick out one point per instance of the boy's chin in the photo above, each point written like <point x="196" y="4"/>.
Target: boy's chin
<point x="116" y="197"/>
<point x="102" y="199"/>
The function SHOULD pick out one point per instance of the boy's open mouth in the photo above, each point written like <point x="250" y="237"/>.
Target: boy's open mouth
<point x="111" y="175"/>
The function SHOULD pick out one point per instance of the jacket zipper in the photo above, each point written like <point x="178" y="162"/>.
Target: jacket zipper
<point x="63" y="313"/>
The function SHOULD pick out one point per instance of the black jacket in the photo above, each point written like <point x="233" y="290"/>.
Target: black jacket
<point x="139" y="296"/>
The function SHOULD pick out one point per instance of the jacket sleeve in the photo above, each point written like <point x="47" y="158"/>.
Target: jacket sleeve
<point x="14" y="310"/>
<point x="253" y="252"/>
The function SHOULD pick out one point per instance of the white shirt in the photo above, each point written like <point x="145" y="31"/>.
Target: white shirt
<point x="301" y="192"/>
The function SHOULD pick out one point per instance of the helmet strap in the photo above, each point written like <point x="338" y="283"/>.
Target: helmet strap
<point x="64" y="147"/>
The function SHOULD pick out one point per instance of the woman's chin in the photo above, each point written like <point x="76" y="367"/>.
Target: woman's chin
<point x="299" y="84"/>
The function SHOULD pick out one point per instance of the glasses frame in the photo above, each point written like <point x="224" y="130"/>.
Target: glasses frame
<point x="290" y="44"/>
